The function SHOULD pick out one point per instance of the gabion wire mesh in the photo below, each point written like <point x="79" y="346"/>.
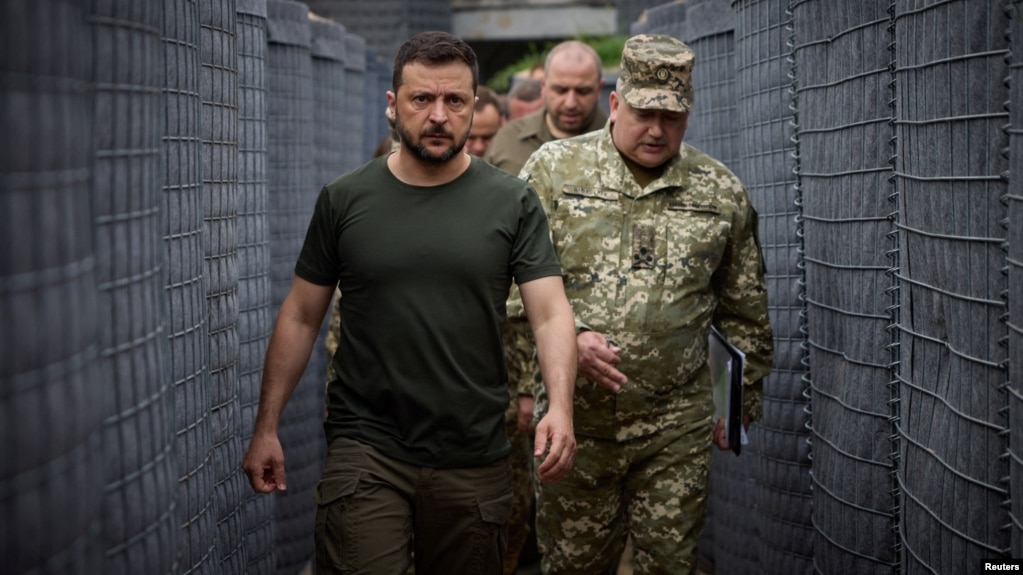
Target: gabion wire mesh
<point x="950" y="66"/>
<point x="1014" y="272"/>
<point x="254" y="319"/>
<point x="385" y="24"/>
<point x="845" y="225"/>
<point x="378" y="82"/>
<point x="329" y="50"/>
<point x="358" y="108"/>
<point x="292" y="194"/>
<point x="140" y="480"/>
<point x="219" y="89"/>
<point x="186" y="287"/>
<point x="767" y="166"/>
<point x="51" y="396"/>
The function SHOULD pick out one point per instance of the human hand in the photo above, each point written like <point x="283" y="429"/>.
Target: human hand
<point x="555" y="438"/>
<point x="525" y="415"/>
<point x="598" y="357"/>
<point x="721" y="435"/>
<point x="264" y="464"/>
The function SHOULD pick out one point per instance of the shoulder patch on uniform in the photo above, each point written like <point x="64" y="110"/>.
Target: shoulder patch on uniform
<point x="691" y="206"/>
<point x="590" y="192"/>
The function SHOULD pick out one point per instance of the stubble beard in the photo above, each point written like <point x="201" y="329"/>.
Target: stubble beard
<point x="584" y="122"/>
<point x="421" y="152"/>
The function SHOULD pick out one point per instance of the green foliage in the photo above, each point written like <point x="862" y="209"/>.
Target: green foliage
<point x="609" y="48"/>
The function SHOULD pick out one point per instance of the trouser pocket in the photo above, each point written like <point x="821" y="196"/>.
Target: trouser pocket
<point x="335" y="536"/>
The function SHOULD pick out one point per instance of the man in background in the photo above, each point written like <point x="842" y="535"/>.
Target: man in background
<point x="571" y="93"/>
<point x="486" y="121"/>
<point x="524" y="98"/>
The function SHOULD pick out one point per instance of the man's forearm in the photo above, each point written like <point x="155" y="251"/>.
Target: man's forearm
<point x="557" y="356"/>
<point x="287" y="355"/>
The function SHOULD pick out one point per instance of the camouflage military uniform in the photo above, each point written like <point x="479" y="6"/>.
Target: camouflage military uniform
<point x="651" y="268"/>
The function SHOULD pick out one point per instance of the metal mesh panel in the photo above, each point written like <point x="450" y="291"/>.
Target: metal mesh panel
<point x="254" y="320"/>
<point x="1014" y="273"/>
<point x="329" y="90"/>
<point x="140" y="477"/>
<point x="951" y="66"/>
<point x="778" y="447"/>
<point x="51" y="396"/>
<point x="358" y="108"/>
<point x="844" y="132"/>
<point x="186" y="287"/>
<point x="386" y="24"/>
<point x="292" y="196"/>
<point x="219" y="89"/>
<point x="712" y="123"/>
<point x="378" y="82"/>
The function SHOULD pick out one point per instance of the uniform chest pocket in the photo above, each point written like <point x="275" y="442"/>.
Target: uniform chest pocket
<point x="588" y="218"/>
<point x="697" y="235"/>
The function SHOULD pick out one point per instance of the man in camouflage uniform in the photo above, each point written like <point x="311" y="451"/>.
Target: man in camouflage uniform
<point x="571" y="86"/>
<point x="658" y="241"/>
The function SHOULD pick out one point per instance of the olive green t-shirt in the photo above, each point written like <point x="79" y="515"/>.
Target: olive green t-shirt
<point x="425" y="273"/>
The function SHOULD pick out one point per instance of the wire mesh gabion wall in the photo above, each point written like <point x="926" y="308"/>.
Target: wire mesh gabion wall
<point x="136" y="326"/>
<point x="329" y="51"/>
<point x="292" y="196"/>
<point x="186" y="286"/>
<point x="254" y="319"/>
<point x="139" y="491"/>
<point x="51" y="399"/>
<point x="219" y="89"/>
<point x="845" y="205"/>
<point x="950" y="66"/>
<point x="1014" y="275"/>
<point x="901" y="114"/>
<point x="766" y="163"/>
<point x="356" y="120"/>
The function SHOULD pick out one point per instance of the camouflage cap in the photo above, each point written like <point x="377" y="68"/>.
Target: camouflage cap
<point x="656" y="73"/>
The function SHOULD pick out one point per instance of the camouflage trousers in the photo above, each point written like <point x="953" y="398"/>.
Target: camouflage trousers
<point x="333" y="334"/>
<point x="519" y="524"/>
<point x="653" y="488"/>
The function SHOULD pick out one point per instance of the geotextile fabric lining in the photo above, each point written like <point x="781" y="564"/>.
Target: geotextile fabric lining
<point x="292" y="194"/>
<point x="253" y="226"/>
<point x="48" y="295"/>
<point x="140" y="479"/>
<point x="186" y="286"/>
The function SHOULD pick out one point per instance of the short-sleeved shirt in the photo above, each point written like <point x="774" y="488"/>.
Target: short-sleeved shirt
<point x="425" y="273"/>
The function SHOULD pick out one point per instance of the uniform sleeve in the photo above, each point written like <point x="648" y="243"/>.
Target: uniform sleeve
<point x="742" y="304"/>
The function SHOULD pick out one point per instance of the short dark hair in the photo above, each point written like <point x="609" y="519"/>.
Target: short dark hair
<point x="526" y="89"/>
<point x="434" y="48"/>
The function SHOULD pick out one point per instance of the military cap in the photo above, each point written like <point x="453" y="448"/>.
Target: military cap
<point x="656" y="73"/>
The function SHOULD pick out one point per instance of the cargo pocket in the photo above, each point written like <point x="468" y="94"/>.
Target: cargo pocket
<point x="491" y="537"/>
<point x="336" y="551"/>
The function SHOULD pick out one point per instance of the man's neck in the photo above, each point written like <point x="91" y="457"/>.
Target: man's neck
<point x="642" y="174"/>
<point x="558" y="134"/>
<point x="413" y="171"/>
